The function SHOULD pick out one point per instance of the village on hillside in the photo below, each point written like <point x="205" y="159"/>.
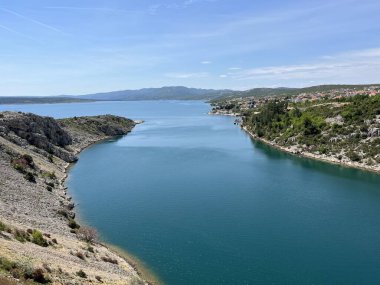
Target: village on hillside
<point x="235" y="106"/>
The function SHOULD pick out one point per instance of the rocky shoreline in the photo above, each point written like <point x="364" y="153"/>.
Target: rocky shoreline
<point x="295" y="151"/>
<point x="40" y="241"/>
<point x="324" y="158"/>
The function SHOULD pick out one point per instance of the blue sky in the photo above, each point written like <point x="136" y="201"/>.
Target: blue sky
<point x="50" y="47"/>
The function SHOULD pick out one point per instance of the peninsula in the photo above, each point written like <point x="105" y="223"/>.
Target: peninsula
<point x="40" y="240"/>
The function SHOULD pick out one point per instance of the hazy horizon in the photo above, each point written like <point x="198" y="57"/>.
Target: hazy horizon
<point x="111" y="91"/>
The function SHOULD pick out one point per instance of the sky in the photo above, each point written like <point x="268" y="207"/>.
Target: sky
<point x="51" y="47"/>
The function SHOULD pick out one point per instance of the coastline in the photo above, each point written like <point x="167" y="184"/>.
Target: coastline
<point x="38" y="226"/>
<point x="293" y="151"/>
<point x="139" y="266"/>
<point x="141" y="270"/>
<point x="309" y="155"/>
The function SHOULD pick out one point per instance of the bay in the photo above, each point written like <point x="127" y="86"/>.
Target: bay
<point x="200" y="202"/>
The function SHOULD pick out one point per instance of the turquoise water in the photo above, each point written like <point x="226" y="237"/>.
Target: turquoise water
<point x="197" y="200"/>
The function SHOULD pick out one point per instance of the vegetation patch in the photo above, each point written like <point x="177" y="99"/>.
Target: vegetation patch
<point x="73" y="224"/>
<point x="29" y="176"/>
<point x="38" y="239"/>
<point x="81" y="274"/>
<point x="87" y="234"/>
<point x="3" y="227"/>
<point x="23" y="272"/>
<point x="348" y="128"/>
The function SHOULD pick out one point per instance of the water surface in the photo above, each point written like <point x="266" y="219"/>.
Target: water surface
<point x="201" y="203"/>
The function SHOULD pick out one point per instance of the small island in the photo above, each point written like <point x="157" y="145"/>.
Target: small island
<point x="40" y="239"/>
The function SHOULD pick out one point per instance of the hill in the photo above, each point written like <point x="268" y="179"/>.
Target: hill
<point x="163" y="93"/>
<point x="283" y="91"/>
<point x="339" y="129"/>
<point x="40" y="239"/>
<point x="179" y="93"/>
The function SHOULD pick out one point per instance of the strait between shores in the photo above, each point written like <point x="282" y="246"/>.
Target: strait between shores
<point x="40" y="240"/>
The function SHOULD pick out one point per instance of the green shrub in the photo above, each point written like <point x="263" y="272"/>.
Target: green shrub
<point x="3" y="227"/>
<point x="30" y="177"/>
<point x="28" y="272"/>
<point x="38" y="239"/>
<point x="39" y="276"/>
<point x="353" y="156"/>
<point x="81" y="274"/>
<point x="22" y="163"/>
<point x="63" y="213"/>
<point x="310" y="128"/>
<point x="19" y="167"/>
<point x="28" y="159"/>
<point x="17" y="273"/>
<point x="73" y="224"/>
<point x="21" y="235"/>
<point x="323" y="149"/>
<point x="6" y="264"/>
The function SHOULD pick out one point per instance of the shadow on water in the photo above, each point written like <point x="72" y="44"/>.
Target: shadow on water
<point x="316" y="165"/>
<point x="113" y="139"/>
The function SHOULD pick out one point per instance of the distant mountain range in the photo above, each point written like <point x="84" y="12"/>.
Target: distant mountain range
<point x="163" y="93"/>
<point x="172" y="93"/>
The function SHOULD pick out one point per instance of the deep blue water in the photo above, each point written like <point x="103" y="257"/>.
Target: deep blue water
<point x="197" y="200"/>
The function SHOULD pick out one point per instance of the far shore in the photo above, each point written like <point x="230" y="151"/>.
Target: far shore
<point x="323" y="158"/>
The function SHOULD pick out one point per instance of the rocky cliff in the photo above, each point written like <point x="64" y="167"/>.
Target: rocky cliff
<point x="44" y="134"/>
<point x="40" y="241"/>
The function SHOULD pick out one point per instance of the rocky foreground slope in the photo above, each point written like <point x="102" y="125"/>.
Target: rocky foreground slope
<point x="40" y="241"/>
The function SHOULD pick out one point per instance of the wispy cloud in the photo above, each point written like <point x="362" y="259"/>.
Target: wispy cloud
<point x="15" y="32"/>
<point x="91" y="9"/>
<point x="153" y="9"/>
<point x="81" y="8"/>
<point x="31" y="20"/>
<point x="206" y="62"/>
<point x="360" y="66"/>
<point x="187" y="75"/>
<point x="191" y="2"/>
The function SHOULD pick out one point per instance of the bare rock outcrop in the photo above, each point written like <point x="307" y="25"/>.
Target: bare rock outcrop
<point x="42" y="132"/>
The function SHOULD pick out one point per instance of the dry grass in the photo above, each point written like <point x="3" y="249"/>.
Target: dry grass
<point x="8" y="281"/>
